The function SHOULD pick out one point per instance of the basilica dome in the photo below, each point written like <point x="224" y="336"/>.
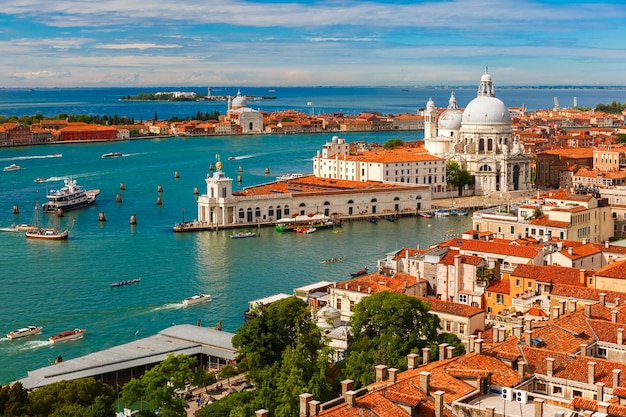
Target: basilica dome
<point x="239" y="101"/>
<point x="486" y="109"/>
<point x="451" y="118"/>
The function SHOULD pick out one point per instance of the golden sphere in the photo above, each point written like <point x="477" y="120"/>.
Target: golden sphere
<point x="218" y="165"/>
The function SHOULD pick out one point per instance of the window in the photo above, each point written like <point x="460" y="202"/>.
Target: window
<point x="448" y="326"/>
<point x="530" y="284"/>
<point x="517" y="282"/>
<point x="601" y="352"/>
<point x="541" y="387"/>
<point x="241" y="214"/>
<point x="463" y="298"/>
<point x="338" y="303"/>
<point x="512" y="229"/>
<point x="499" y="298"/>
<point x="576" y="393"/>
<point x="461" y="328"/>
<point x="351" y="305"/>
<point x="557" y="390"/>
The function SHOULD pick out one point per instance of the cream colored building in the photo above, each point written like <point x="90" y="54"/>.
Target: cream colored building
<point x="558" y="214"/>
<point x="400" y="165"/>
<point x="249" y="120"/>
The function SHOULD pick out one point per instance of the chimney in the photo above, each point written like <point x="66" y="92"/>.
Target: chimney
<point x="591" y="373"/>
<point x="304" y="404"/>
<point x="438" y="395"/>
<point x="617" y="301"/>
<point x="412" y="360"/>
<point x="538" y="407"/>
<point x="472" y="338"/>
<point x="449" y="352"/>
<point x="582" y="279"/>
<point x="425" y="382"/>
<point x="603" y="408"/>
<point x="496" y="334"/>
<point x="528" y="335"/>
<point x="528" y="324"/>
<point x="600" y="390"/>
<point x="350" y="398"/>
<point x="588" y="310"/>
<point x="478" y="346"/>
<point x="620" y="336"/>
<point x="606" y="244"/>
<point x="572" y="305"/>
<point x="346" y="385"/>
<point x="425" y="356"/>
<point x="314" y="408"/>
<point x="563" y="307"/>
<point x="261" y="413"/>
<point x="556" y="310"/>
<point x="550" y="367"/>
<point x="520" y="369"/>
<point x="602" y="299"/>
<point x="502" y="332"/>
<point x="489" y="411"/>
<point x="614" y="314"/>
<point x="583" y="349"/>
<point x="381" y="373"/>
<point x="393" y="374"/>
<point x="517" y="331"/>
<point x="616" y="373"/>
<point x="442" y="351"/>
<point x="570" y="250"/>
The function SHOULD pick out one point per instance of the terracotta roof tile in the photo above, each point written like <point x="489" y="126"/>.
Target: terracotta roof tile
<point x="614" y="270"/>
<point x="449" y="307"/>
<point x="548" y="273"/>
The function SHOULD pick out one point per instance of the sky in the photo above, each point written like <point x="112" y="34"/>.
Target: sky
<point x="127" y="43"/>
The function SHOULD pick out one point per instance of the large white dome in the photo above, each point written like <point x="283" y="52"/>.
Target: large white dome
<point x="239" y="101"/>
<point x="486" y="110"/>
<point x="452" y="117"/>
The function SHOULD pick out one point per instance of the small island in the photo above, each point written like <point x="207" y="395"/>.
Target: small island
<point x="183" y="96"/>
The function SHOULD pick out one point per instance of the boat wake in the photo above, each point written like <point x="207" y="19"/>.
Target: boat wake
<point x="169" y="306"/>
<point x="253" y="155"/>
<point x="23" y="158"/>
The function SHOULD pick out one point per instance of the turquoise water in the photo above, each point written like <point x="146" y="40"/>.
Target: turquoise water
<point x="63" y="285"/>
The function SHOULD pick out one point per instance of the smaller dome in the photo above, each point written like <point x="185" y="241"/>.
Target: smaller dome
<point x="430" y="104"/>
<point x="328" y="311"/>
<point x="485" y="77"/>
<point x="450" y="119"/>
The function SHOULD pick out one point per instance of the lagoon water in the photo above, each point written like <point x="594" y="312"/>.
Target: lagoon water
<point x="63" y="285"/>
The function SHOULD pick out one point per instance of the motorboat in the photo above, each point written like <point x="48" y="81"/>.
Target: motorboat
<point x="127" y="282"/>
<point x="112" y="155"/>
<point x="242" y="235"/>
<point x="231" y="158"/>
<point x="12" y="167"/>
<point x="441" y="213"/>
<point x="306" y="230"/>
<point x="286" y="177"/>
<point x="41" y="179"/>
<point x="70" y="196"/>
<point x="24" y="331"/>
<point x="359" y="273"/>
<point x="196" y="299"/>
<point x="425" y="215"/>
<point x="67" y="335"/>
<point x="318" y="221"/>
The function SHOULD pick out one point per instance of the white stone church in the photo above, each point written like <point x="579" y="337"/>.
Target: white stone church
<point x="480" y="139"/>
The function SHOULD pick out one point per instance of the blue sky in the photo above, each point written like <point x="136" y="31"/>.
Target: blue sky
<point x="63" y="43"/>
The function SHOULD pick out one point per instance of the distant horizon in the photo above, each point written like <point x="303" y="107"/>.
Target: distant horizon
<point x="415" y="87"/>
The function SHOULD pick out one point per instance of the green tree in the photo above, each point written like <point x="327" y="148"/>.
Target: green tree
<point x="386" y="327"/>
<point x="393" y="143"/>
<point x="457" y="176"/>
<point x="451" y="340"/>
<point x="621" y="138"/>
<point x="159" y="385"/>
<point x="17" y="403"/>
<point x="83" y="392"/>
<point x="228" y="371"/>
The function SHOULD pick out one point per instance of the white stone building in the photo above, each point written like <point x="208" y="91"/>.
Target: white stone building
<point x="249" y="120"/>
<point x="480" y="139"/>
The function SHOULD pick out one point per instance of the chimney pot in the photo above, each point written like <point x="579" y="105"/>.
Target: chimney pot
<point x="472" y="338"/>
<point x="304" y="404"/>
<point x="602" y="298"/>
<point x="583" y="349"/>
<point x="442" y="351"/>
<point x="346" y="385"/>
<point x="538" y="407"/>
<point x="449" y="352"/>
<point x="563" y="307"/>
<point x="425" y="382"/>
<point x="381" y="373"/>
<point x="600" y="391"/>
<point x="350" y="398"/>
<point x="528" y="335"/>
<point x="393" y="374"/>
<point x="314" y="408"/>
<point x="616" y="374"/>
<point x="617" y="301"/>
<point x="517" y="331"/>
<point x="520" y="370"/>
<point x="587" y="310"/>
<point x="550" y="366"/>
<point x="591" y="373"/>
<point x="614" y="314"/>
<point x="261" y="413"/>
<point x="478" y="346"/>
<point x="620" y="336"/>
<point x="412" y="360"/>
<point x="425" y="356"/>
<point x="556" y="310"/>
<point x="438" y="395"/>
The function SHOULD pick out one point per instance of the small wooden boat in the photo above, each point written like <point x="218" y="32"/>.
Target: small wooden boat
<point x="359" y="273"/>
<point x="196" y="299"/>
<point x="127" y="282"/>
<point x="24" y="331"/>
<point x="242" y="235"/>
<point x="331" y="260"/>
<point x="425" y="215"/>
<point x="67" y="335"/>
<point x="372" y="219"/>
<point x="306" y="230"/>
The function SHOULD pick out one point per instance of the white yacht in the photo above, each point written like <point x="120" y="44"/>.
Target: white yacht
<point x="71" y="196"/>
<point x="196" y="299"/>
<point x="24" y="331"/>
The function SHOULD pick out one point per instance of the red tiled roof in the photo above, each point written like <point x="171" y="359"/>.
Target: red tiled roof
<point x="614" y="270"/>
<point x="548" y="273"/>
<point x="500" y="286"/>
<point x="449" y="307"/>
<point x="584" y="293"/>
<point x="373" y="283"/>
<point x="481" y="246"/>
<point x="581" y="251"/>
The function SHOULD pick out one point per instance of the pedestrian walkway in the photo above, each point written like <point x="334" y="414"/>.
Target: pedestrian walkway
<point x="479" y="201"/>
<point x="212" y="393"/>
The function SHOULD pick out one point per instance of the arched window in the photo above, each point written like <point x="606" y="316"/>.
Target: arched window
<point x="257" y="212"/>
<point x="490" y="144"/>
<point x="242" y="213"/>
<point x="481" y="145"/>
<point x="270" y="211"/>
<point x="302" y="209"/>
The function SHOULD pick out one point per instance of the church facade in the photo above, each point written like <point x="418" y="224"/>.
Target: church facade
<point x="248" y="120"/>
<point x="480" y="138"/>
